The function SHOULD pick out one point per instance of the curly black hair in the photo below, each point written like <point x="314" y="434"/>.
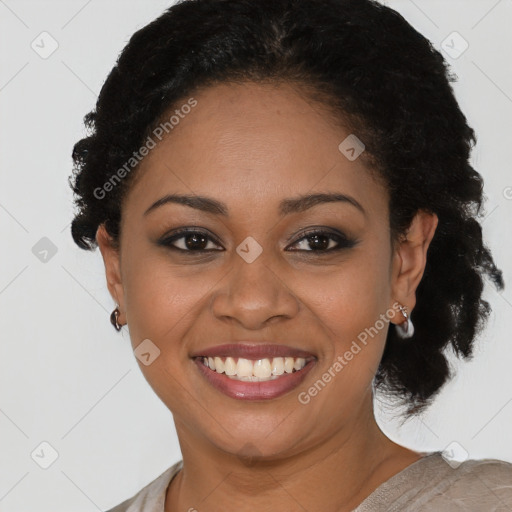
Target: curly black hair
<point x="372" y="70"/>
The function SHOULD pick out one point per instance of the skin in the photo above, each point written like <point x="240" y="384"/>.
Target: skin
<point x="250" y="146"/>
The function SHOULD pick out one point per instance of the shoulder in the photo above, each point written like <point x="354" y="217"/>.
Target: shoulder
<point x="494" y="474"/>
<point x="477" y="485"/>
<point x="490" y="469"/>
<point x="150" y="498"/>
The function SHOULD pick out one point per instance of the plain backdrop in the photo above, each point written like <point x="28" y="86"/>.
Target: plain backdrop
<point x="67" y="379"/>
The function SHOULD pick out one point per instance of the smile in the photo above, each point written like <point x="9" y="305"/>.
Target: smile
<point x="253" y="371"/>
<point x="260" y="370"/>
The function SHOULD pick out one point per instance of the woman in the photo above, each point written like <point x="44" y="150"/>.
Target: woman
<point x="281" y="194"/>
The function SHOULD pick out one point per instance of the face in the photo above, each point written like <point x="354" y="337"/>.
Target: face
<point x="261" y="268"/>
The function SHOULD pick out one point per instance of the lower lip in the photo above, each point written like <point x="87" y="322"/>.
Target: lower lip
<point x="243" y="390"/>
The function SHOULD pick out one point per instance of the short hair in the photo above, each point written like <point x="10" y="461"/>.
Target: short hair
<point x="374" y="72"/>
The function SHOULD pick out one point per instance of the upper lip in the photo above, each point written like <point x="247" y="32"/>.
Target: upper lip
<point x="252" y="351"/>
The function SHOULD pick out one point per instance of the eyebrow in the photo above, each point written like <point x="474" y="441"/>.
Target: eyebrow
<point x="286" y="207"/>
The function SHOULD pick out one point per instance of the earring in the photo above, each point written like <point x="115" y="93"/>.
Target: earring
<point x="114" y="319"/>
<point x="406" y="329"/>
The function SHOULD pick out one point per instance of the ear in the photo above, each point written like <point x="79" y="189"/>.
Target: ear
<point x="111" y="260"/>
<point x="410" y="259"/>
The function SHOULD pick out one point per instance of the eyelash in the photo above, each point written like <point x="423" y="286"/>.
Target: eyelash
<point x="342" y="241"/>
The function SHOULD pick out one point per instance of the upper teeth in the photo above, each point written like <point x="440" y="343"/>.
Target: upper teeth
<point x="247" y="369"/>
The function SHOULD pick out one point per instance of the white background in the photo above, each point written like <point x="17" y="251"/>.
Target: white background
<point x="66" y="376"/>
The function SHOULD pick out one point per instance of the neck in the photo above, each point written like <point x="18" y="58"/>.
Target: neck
<point x="336" y="474"/>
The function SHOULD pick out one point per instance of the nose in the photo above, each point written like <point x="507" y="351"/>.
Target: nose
<point x="254" y="296"/>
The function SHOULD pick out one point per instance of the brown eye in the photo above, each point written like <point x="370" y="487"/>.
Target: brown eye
<point x="189" y="241"/>
<point x="323" y="241"/>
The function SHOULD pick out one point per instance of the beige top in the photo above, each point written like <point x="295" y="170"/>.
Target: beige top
<point x="429" y="484"/>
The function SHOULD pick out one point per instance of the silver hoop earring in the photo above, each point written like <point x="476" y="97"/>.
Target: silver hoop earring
<point x="406" y="329"/>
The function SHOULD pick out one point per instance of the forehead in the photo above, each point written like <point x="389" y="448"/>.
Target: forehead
<point x="251" y="143"/>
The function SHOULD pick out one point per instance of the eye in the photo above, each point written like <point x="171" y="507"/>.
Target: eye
<point x="323" y="241"/>
<point x="193" y="240"/>
<point x="190" y="240"/>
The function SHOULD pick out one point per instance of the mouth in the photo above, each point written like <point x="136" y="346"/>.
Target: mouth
<point x="254" y="372"/>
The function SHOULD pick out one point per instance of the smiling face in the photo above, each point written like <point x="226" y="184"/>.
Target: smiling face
<point x="255" y="152"/>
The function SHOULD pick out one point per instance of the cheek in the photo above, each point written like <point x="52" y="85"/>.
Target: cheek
<point x="160" y="303"/>
<point x="351" y="297"/>
<point x="352" y="314"/>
